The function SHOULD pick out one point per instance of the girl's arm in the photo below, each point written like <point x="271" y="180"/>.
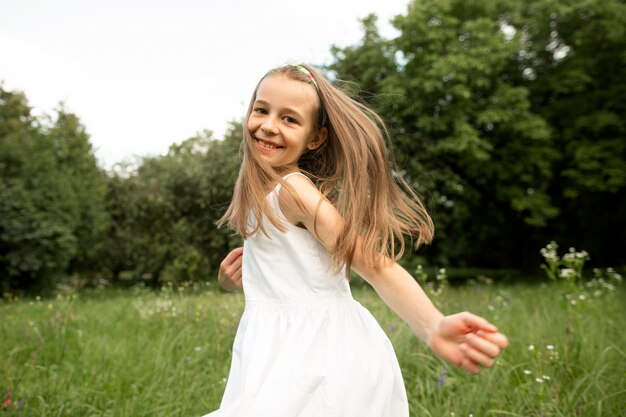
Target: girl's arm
<point x="464" y="339"/>
<point x="229" y="276"/>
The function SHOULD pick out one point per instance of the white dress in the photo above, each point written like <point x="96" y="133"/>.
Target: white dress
<point x="304" y="346"/>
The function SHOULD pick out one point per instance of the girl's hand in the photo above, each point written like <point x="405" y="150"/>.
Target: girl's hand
<point x="468" y="341"/>
<point x="229" y="276"/>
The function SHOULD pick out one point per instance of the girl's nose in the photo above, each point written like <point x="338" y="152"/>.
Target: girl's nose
<point x="268" y="127"/>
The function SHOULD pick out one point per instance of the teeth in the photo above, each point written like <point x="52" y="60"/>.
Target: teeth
<point x="267" y="144"/>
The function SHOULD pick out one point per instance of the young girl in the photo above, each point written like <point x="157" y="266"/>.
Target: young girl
<point x="315" y="198"/>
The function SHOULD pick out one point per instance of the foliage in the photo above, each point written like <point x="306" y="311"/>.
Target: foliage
<point x="569" y="267"/>
<point x="501" y="114"/>
<point x="164" y="212"/>
<point x="433" y="286"/>
<point x="51" y="196"/>
<point x="507" y="117"/>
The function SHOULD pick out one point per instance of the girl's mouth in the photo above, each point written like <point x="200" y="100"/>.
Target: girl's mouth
<point x="267" y="145"/>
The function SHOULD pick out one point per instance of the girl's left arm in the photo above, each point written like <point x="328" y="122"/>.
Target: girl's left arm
<point x="464" y="339"/>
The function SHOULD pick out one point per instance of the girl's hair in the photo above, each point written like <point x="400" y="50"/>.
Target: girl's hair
<point x="351" y="168"/>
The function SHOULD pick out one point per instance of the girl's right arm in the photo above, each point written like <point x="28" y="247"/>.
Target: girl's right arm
<point x="229" y="276"/>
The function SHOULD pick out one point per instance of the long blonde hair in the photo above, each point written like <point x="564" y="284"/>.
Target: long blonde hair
<point x="352" y="169"/>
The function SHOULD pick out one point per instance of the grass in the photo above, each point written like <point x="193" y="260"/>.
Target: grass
<point x="142" y="353"/>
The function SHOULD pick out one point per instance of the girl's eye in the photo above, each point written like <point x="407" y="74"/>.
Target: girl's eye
<point x="260" y="110"/>
<point x="290" y="119"/>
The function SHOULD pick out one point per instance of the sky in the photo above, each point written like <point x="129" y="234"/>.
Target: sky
<point x="142" y="75"/>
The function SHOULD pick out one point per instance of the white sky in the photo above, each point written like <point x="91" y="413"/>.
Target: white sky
<point x="143" y="74"/>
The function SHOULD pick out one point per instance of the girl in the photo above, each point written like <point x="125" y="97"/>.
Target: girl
<point x="315" y="198"/>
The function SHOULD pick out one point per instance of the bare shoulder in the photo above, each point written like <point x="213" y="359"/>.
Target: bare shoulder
<point x="315" y="212"/>
<point x="308" y="195"/>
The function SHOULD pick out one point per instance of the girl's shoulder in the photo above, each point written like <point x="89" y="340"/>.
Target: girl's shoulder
<point x="297" y="174"/>
<point x="302" y="198"/>
<point x="304" y="205"/>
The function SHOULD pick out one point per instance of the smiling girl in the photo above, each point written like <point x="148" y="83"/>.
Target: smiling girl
<point x="316" y="198"/>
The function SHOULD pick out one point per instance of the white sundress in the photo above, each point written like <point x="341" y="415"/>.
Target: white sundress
<point x="304" y="346"/>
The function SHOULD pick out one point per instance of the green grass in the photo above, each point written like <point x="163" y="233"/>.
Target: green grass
<point x="141" y="353"/>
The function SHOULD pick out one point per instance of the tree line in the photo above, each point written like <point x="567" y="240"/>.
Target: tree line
<point x="507" y="117"/>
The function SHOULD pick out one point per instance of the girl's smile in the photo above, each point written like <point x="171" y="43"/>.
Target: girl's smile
<point x="267" y="145"/>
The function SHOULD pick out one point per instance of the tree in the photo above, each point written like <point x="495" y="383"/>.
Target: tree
<point x="573" y="62"/>
<point x="463" y="133"/>
<point x="163" y="214"/>
<point x="87" y="181"/>
<point x="37" y="204"/>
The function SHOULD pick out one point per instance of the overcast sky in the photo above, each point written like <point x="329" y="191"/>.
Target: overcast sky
<point x="142" y="74"/>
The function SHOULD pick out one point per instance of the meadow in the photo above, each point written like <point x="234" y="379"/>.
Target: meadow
<point x="139" y="352"/>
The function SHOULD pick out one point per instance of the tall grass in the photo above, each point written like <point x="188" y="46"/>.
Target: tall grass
<point x="167" y="353"/>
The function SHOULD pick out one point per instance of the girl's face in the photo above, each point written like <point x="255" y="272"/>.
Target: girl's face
<point x="282" y="121"/>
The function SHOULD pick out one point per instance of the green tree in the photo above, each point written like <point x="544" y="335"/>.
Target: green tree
<point x="37" y="203"/>
<point x="164" y="212"/>
<point x="573" y="63"/>
<point x="77" y="162"/>
<point x="463" y="134"/>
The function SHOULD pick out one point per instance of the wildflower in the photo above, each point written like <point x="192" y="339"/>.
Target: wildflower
<point x="531" y="347"/>
<point x="527" y="371"/>
<point x="567" y="272"/>
<point x="545" y="377"/>
<point x="197" y="348"/>
<point x="442" y="378"/>
<point x="539" y="380"/>
<point x="8" y="394"/>
<point x="550" y="347"/>
<point x="491" y="307"/>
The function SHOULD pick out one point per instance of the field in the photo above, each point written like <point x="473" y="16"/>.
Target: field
<point x="109" y="352"/>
